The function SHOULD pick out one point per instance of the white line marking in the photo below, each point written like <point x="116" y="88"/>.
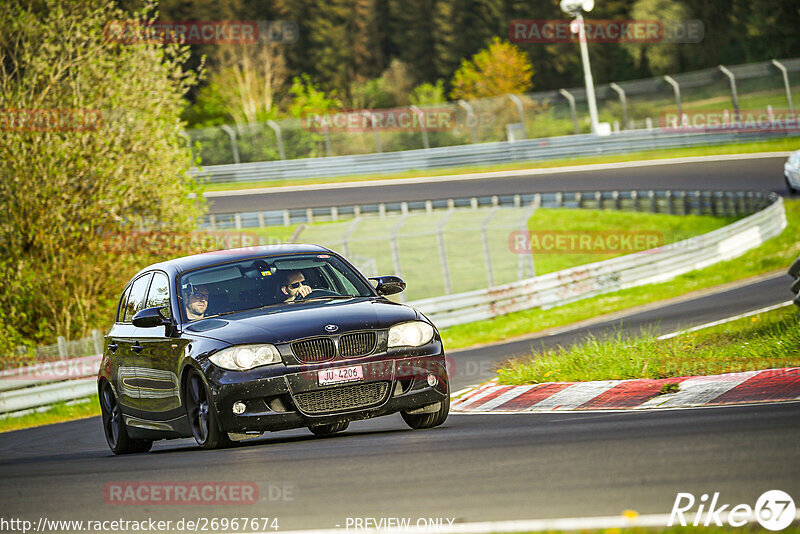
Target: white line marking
<point x="505" y="397"/>
<point x="575" y="395"/>
<point x="726" y="320"/>
<point x="475" y="398"/>
<point x="699" y="390"/>
<point x="495" y="174"/>
<point x="528" y="525"/>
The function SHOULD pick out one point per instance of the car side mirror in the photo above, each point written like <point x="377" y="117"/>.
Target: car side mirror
<point x="149" y="318"/>
<point x="389" y="285"/>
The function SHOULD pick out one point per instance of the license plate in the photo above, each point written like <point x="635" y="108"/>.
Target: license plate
<point x="340" y="374"/>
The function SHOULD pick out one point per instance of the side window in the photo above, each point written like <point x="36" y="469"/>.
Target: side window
<point x="159" y="294"/>
<point x="137" y="297"/>
<point x="122" y="302"/>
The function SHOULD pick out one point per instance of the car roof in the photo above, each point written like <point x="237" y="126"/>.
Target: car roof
<point x="187" y="263"/>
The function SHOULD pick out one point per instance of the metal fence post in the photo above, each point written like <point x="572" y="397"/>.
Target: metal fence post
<point x="425" y="142"/>
<point x="470" y="119"/>
<point x="485" y="241"/>
<point x="350" y="229"/>
<point x="62" y="347"/>
<point x="396" y="251"/>
<point x="571" y="99"/>
<point x="624" y="102"/>
<point x="786" y="85"/>
<point x="277" y="129"/>
<point x="327" y="133"/>
<point x="676" y="89"/>
<point x="234" y="145"/>
<point x="443" y="253"/>
<point x="734" y="94"/>
<point x="97" y="341"/>
<point x="528" y="258"/>
<point x="371" y="116"/>
<point x="516" y="99"/>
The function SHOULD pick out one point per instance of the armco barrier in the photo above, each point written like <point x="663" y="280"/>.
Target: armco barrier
<point x="586" y="281"/>
<point x="22" y="389"/>
<point x="476" y="154"/>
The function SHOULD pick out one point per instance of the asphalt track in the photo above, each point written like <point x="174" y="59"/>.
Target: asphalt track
<point x="473" y="468"/>
<point x="755" y="174"/>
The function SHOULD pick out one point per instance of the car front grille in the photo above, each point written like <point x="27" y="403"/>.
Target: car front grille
<point x="319" y="349"/>
<point x="358" y="344"/>
<point x="342" y="398"/>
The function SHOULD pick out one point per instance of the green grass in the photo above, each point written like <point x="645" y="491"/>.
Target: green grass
<point x="764" y="341"/>
<point x="420" y="263"/>
<point x="774" y="255"/>
<point x="669" y="228"/>
<point x="56" y="413"/>
<point x="785" y="144"/>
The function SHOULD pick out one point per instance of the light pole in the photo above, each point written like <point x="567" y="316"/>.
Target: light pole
<point x="574" y="8"/>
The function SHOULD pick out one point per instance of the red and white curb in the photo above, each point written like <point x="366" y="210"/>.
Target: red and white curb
<point x="771" y="385"/>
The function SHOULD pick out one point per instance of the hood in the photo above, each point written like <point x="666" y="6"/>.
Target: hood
<point x="285" y="323"/>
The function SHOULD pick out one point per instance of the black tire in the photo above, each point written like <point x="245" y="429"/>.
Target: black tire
<point x="792" y="190"/>
<point x="325" y="430"/>
<point x="114" y="427"/>
<point x="202" y="417"/>
<point x="428" y="420"/>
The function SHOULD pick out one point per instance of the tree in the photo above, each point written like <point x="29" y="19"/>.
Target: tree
<point x="245" y="81"/>
<point x="93" y="148"/>
<point x="658" y="58"/>
<point x="499" y="69"/>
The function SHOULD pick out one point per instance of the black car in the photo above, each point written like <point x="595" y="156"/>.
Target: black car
<point x="225" y="345"/>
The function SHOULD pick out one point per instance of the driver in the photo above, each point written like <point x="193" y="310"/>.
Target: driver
<point x="294" y="286"/>
<point x="197" y="303"/>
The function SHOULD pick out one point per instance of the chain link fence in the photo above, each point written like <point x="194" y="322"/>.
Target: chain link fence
<point x="635" y="104"/>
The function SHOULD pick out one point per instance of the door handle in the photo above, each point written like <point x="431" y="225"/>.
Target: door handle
<point x="112" y="347"/>
<point x="137" y="348"/>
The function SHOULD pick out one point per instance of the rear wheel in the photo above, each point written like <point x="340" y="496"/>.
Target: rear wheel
<point x="202" y="417"/>
<point x="114" y="427"/>
<point x="324" y="430"/>
<point x="428" y="420"/>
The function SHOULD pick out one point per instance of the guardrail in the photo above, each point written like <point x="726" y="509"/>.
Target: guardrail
<point x="47" y="383"/>
<point x="50" y="382"/>
<point x="474" y="154"/>
<point x="647" y="267"/>
<point x="699" y="202"/>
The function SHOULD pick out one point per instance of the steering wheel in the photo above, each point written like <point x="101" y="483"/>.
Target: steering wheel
<point x="318" y="293"/>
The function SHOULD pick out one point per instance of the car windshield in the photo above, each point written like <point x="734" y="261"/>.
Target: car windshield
<point x="267" y="281"/>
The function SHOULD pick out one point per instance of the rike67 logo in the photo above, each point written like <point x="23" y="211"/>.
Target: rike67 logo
<point x="774" y="510"/>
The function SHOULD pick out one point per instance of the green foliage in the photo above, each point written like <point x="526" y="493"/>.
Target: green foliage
<point x="497" y="70"/>
<point x="764" y="341"/>
<point x="427" y="93"/>
<point x="309" y="99"/>
<point x="658" y="58"/>
<point x="65" y="190"/>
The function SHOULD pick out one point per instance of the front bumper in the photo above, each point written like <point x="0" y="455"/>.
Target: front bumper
<point x="284" y="397"/>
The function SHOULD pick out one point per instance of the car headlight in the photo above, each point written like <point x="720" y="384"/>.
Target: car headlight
<point x="244" y="357"/>
<point x="412" y="334"/>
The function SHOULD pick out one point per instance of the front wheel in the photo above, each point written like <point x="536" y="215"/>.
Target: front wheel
<point x="428" y="420"/>
<point x="792" y="190"/>
<point x="202" y="417"/>
<point x="114" y="427"/>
